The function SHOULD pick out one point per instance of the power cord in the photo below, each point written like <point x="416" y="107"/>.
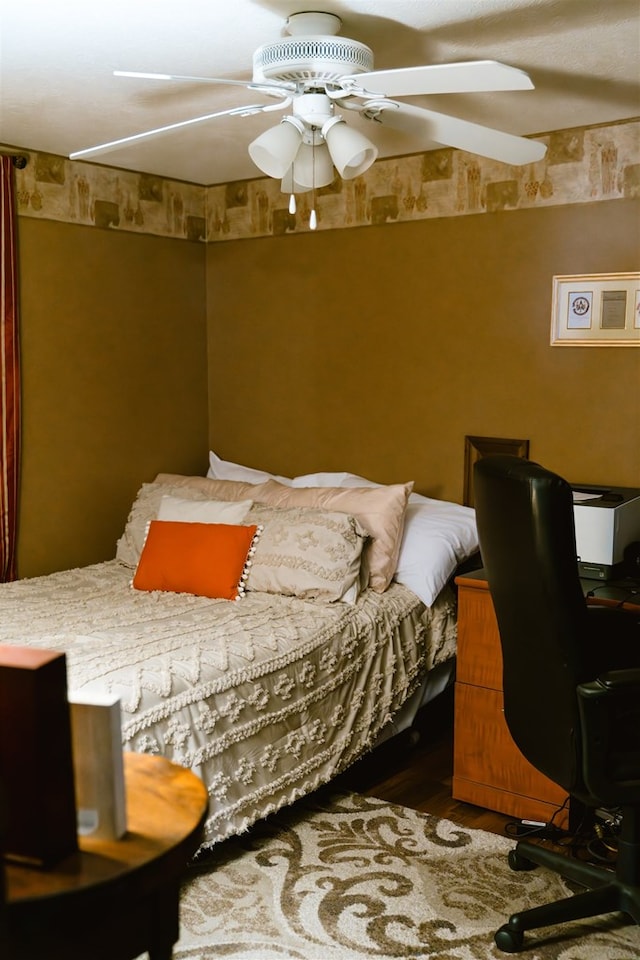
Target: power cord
<point x="524" y="829"/>
<point x="593" y="841"/>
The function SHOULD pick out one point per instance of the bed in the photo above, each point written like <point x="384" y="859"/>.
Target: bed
<point x="271" y="669"/>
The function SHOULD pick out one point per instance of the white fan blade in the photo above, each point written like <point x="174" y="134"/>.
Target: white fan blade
<point x="454" y="132"/>
<point x="235" y="111"/>
<point x="475" y="76"/>
<point x="283" y="89"/>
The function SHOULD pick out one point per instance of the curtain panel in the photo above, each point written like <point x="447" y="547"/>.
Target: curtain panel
<point x="9" y="373"/>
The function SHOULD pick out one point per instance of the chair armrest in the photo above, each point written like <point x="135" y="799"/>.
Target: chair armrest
<point x="613" y="683"/>
<point x="609" y="710"/>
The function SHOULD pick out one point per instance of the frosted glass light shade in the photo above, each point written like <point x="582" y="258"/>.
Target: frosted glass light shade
<point x="350" y="150"/>
<point x="312" y="166"/>
<point x="289" y="185"/>
<point x="274" y="150"/>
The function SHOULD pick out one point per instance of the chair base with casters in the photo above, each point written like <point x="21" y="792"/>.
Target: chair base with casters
<point x="607" y="891"/>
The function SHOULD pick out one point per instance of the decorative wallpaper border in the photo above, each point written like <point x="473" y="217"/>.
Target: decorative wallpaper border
<point x="51" y="187"/>
<point x="582" y="165"/>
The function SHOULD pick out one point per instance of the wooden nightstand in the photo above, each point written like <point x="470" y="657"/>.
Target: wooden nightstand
<point x="113" y="899"/>
<point x="488" y="768"/>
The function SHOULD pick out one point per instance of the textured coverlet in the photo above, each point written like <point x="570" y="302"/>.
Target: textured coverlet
<point x="266" y="698"/>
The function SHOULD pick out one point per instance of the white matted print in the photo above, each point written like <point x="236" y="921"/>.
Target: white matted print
<point x="597" y="310"/>
<point x="579" y="310"/>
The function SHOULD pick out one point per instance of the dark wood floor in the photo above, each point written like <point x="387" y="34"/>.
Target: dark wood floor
<point x="415" y="771"/>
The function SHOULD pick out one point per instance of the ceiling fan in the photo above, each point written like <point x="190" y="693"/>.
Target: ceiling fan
<point x="314" y="71"/>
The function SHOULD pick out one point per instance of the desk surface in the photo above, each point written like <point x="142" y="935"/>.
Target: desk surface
<point x="623" y="592"/>
<point x="114" y="897"/>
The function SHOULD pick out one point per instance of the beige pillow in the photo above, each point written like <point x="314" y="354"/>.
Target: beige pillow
<point x="211" y="489"/>
<point x="307" y="553"/>
<point x="380" y="510"/>
<point x="147" y="504"/>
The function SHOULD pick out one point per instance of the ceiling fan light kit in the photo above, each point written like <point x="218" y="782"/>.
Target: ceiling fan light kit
<point x="312" y="167"/>
<point x="291" y="186"/>
<point x="274" y="151"/>
<point x="312" y="124"/>
<point x="314" y="71"/>
<point x="350" y="150"/>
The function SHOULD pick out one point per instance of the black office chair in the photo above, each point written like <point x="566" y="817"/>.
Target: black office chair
<point x="571" y="680"/>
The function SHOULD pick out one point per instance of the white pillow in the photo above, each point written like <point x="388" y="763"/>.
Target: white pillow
<point x="226" y="470"/>
<point x="202" y="511"/>
<point x="319" y="480"/>
<point x="332" y="480"/>
<point x="438" y="535"/>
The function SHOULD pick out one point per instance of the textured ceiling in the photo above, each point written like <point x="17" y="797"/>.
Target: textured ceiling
<point x="59" y="93"/>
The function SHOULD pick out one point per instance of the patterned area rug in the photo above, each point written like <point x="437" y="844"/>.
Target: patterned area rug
<point x="347" y="877"/>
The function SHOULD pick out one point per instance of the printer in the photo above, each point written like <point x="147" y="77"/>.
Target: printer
<point x="607" y="520"/>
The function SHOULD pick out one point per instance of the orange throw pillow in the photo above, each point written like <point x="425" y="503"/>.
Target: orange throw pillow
<point x="205" y="559"/>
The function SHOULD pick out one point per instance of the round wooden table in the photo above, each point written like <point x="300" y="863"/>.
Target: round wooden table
<point x="114" y="899"/>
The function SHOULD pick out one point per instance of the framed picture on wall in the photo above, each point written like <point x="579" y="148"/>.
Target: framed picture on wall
<point x="596" y="310"/>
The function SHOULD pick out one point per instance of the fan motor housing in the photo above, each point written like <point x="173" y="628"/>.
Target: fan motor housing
<point x="304" y="59"/>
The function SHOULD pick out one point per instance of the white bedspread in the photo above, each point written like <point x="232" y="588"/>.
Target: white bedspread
<point x="266" y="698"/>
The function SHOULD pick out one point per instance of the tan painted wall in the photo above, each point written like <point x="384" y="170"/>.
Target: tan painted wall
<point x="372" y="349"/>
<point x="377" y="350"/>
<point x="114" y="382"/>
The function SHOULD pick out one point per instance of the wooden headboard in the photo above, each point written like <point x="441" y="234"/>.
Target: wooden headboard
<point x="477" y="447"/>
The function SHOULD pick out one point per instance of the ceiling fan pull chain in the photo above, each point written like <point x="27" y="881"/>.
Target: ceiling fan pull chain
<point x="313" y="222"/>
<point x="292" y="204"/>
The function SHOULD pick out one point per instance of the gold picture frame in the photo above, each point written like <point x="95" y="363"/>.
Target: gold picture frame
<point x="596" y="310"/>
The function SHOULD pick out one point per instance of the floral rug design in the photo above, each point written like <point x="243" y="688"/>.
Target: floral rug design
<point x="348" y="877"/>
